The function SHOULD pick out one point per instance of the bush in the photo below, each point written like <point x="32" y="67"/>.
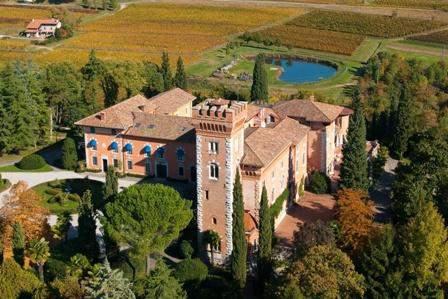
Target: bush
<point x="186" y="249"/>
<point x="31" y="162"/>
<point x="74" y="197"/>
<point x="55" y="184"/>
<point x="69" y="154"/>
<point x="81" y="166"/>
<point x="16" y="282"/>
<point x="191" y="270"/>
<point x="55" y="269"/>
<point x="319" y="183"/>
<point x="53" y="191"/>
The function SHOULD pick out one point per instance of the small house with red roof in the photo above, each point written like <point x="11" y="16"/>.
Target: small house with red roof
<point x="42" y="28"/>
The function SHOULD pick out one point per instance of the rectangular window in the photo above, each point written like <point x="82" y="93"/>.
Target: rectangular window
<point x="181" y="171"/>
<point x="148" y="166"/>
<point x="129" y="164"/>
<point x="115" y="163"/>
<point x="213" y="147"/>
<point x="206" y="194"/>
<point x="114" y="132"/>
<point x="94" y="160"/>
<point x="92" y="130"/>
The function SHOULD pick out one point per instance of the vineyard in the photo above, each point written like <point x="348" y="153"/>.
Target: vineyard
<point x="11" y="49"/>
<point x="365" y="24"/>
<point x="440" y="37"/>
<point x="424" y="4"/>
<point x="142" y="32"/>
<point x="314" y="39"/>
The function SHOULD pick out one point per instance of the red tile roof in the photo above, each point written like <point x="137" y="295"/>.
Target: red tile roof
<point x="36" y="23"/>
<point x="170" y="101"/>
<point x="263" y="145"/>
<point x="310" y="110"/>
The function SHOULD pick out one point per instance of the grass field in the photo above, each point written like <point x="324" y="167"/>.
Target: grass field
<point x="142" y="32"/>
<point x="440" y="37"/>
<point x="364" y="24"/>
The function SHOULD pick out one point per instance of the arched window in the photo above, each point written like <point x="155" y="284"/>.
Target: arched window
<point x="215" y="221"/>
<point x="214" y="171"/>
<point x="180" y="154"/>
<point x="160" y="153"/>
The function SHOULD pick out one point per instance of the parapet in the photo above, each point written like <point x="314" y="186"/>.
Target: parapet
<point x="221" y="110"/>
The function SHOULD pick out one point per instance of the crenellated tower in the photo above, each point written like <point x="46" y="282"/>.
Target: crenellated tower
<point x="219" y="128"/>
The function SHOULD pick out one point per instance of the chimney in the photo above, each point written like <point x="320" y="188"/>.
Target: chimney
<point x="101" y="116"/>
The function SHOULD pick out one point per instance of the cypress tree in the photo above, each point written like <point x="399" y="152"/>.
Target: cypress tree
<point x="18" y="242"/>
<point x="402" y="130"/>
<point x="110" y="188"/>
<point x="87" y="225"/>
<point x="69" y="154"/>
<point x="166" y="71"/>
<point x="180" y="79"/>
<point x="239" y="253"/>
<point x="259" y="90"/>
<point x="265" y="238"/>
<point x="354" y="169"/>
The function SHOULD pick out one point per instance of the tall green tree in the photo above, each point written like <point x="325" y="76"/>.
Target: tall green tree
<point x="424" y="254"/>
<point x="69" y="154"/>
<point x="87" y="225"/>
<point x="160" y="284"/>
<point x="147" y="218"/>
<point x="62" y="85"/>
<point x="62" y="226"/>
<point x="18" y="242"/>
<point x="110" y="188"/>
<point x="403" y="125"/>
<point x="25" y="117"/>
<point x="239" y="252"/>
<point x="93" y="73"/>
<point x="154" y="80"/>
<point x="38" y="252"/>
<point x="103" y="282"/>
<point x="260" y="90"/>
<point x="165" y="69"/>
<point x="180" y="79"/>
<point x="326" y="272"/>
<point x="378" y="264"/>
<point x="265" y="238"/>
<point x="354" y="169"/>
<point x="110" y="88"/>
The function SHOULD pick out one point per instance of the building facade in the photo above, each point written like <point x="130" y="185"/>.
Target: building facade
<point x="42" y="28"/>
<point x="272" y="147"/>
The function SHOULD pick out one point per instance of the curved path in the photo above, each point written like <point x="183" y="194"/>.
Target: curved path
<point x="37" y="178"/>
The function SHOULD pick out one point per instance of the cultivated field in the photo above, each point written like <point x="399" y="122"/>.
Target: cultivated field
<point x="424" y="4"/>
<point x="11" y="49"/>
<point x="364" y="24"/>
<point x="440" y="37"/>
<point x="14" y="19"/>
<point x="315" y="39"/>
<point x="142" y="32"/>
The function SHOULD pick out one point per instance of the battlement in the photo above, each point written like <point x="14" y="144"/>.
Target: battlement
<point x="220" y="110"/>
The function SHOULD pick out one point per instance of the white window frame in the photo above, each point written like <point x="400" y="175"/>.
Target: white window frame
<point x="213" y="171"/>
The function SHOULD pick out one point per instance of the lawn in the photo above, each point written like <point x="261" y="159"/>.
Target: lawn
<point x="143" y="31"/>
<point x="14" y="168"/>
<point x="50" y="190"/>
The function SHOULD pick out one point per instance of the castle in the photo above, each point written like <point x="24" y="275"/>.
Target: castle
<point x="166" y="137"/>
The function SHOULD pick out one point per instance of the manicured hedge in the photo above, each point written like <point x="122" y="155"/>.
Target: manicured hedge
<point x="191" y="270"/>
<point x="31" y="162"/>
<point x="186" y="249"/>
<point x="319" y="183"/>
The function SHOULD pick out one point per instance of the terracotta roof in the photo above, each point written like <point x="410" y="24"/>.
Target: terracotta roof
<point x="118" y="116"/>
<point x="167" y="127"/>
<point x="310" y="110"/>
<point x="250" y="223"/>
<point x="263" y="145"/>
<point x="254" y="110"/>
<point x="169" y="101"/>
<point x="36" y="23"/>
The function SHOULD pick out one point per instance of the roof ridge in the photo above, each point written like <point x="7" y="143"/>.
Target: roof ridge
<point x="320" y="110"/>
<point x="253" y="152"/>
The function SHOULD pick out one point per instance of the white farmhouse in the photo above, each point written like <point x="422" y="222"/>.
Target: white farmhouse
<point x="42" y="28"/>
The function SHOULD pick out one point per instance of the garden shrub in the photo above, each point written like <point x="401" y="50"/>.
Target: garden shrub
<point x="69" y="154"/>
<point x="186" y="249"/>
<point x="53" y="191"/>
<point x="55" y="184"/>
<point x="191" y="270"/>
<point x="319" y="183"/>
<point x="74" y="197"/>
<point x="55" y="269"/>
<point x="4" y="183"/>
<point x="31" y="162"/>
<point x="16" y="282"/>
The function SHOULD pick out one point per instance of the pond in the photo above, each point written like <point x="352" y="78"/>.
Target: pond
<point x="294" y="70"/>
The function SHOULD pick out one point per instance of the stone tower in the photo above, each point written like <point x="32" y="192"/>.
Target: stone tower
<point x="219" y="128"/>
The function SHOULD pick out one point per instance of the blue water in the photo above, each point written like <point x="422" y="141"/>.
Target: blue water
<point x="301" y="71"/>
